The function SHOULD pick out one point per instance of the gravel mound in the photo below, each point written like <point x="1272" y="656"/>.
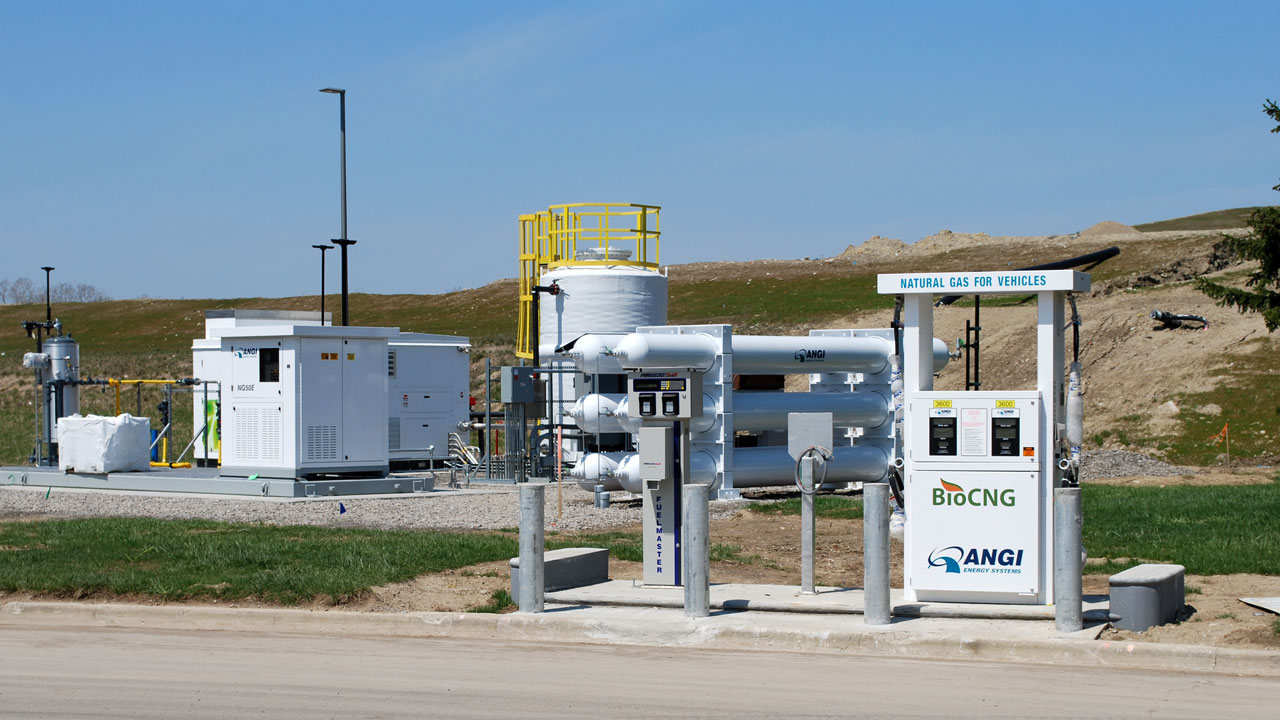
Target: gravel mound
<point x="1100" y="464"/>
<point x="484" y="509"/>
<point x="1107" y="228"/>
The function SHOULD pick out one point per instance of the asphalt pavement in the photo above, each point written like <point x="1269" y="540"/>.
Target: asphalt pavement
<point x="149" y="672"/>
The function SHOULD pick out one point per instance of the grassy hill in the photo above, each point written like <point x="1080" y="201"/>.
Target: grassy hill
<point x="1216" y="220"/>
<point x="152" y="338"/>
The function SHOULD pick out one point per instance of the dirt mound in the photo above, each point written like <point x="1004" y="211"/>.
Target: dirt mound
<point x="1106" y="228"/>
<point x="876" y="248"/>
<point x="947" y="240"/>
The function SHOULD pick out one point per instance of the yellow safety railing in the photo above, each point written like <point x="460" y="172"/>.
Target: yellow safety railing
<point x="577" y="234"/>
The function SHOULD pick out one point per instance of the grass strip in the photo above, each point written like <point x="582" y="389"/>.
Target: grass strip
<point x="195" y="559"/>
<point x="1210" y="530"/>
<point x="826" y="506"/>
<point x="499" y="602"/>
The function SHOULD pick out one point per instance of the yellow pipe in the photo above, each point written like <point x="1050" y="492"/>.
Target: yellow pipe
<point x="118" y="383"/>
<point x="171" y="465"/>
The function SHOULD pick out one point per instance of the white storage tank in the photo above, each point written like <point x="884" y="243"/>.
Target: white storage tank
<point x="599" y="298"/>
<point x="596" y="296"/>
<point x="62" y="395"/>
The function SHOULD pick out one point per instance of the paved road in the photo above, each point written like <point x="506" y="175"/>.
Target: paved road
<point x="156" y="674"/>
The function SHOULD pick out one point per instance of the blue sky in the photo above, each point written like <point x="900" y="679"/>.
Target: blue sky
<point x="181" y="149"/>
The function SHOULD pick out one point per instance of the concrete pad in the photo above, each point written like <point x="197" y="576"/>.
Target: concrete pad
<point x="787" y="599"/>
<point x="1271" y="604"/>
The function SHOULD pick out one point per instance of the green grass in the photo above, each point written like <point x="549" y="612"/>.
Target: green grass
<point x="1275" y="627"/>
<point x="1210" y="530"/>
<point x="194" y="559"/>
<point x="1217" y="220"/>
<point x="769" y="302"/>
<point x="622" y="545"/>
<point x="826" y="506"/>
<point x="500" y="601"/>
<point x="1248" y="394"/>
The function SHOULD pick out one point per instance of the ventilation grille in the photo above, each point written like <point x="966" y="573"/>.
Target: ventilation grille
<point x="322" y="442"/>
<point x="248" y="434"/>
<point x="391" y="363"/>
<point x="257" y="434"/>
<point x="393" y="433"/>
<point x="271" y="434"/>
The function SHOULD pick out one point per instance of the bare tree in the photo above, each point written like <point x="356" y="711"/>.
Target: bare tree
<point x="24" y="291"/>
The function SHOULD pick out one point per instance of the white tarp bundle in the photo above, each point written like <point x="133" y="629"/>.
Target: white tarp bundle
<point x="97" y="444"/>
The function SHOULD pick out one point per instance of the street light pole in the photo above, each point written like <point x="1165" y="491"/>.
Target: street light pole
<point x="48" y="306"/>
<point x="343" y="242"/>
<point x="323" y="249"/>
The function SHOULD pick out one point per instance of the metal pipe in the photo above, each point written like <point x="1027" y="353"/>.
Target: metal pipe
<point x="1089" y="259"/>
<point x="1067" y="560"/>
<point x="752" y="354"/>
<point x="977" y="342"/>
<point x="875" y="554"/>
<point x="752" y="467"/>
<point x="488" y="420"/>
<point x="808" y="524"/>
<point x="532" y="578"/>
<point x="696" y="548"/>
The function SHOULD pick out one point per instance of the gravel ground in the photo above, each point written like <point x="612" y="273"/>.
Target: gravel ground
<point x="1122" y="463"/>
<point x="490" y="508"/>
<point x="485" y="509"/>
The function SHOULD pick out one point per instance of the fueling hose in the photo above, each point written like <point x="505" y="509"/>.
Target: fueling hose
<point x="1172" y="321"/>
<point x="1075" y="400"/>
<point x="826" y="457"/>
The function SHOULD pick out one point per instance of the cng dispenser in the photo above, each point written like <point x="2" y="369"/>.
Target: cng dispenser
<point x="666" y="401"/>
<point x="980" y="467"/>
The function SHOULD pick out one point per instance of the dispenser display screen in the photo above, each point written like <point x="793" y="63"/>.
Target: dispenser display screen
<point x="942" y="436"/>
<point x="659" y="384"/>
<point x="1004" y="437"/>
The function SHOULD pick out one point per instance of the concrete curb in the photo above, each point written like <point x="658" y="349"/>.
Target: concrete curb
<point x="652" y="627"/>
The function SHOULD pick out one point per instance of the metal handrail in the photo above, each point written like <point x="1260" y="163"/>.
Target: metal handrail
<point x="552" y="238"/>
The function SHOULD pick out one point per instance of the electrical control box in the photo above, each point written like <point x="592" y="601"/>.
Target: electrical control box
<point x="518" y="385"/>
<point x="429" y="383"/>
<point x="665" y="396"/>
<point x="656" y="451"/>
<point x="976" y="505"/>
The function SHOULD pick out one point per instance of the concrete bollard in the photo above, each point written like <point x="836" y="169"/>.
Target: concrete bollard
<point x="696" y="551"/>
<point x="808" y="525"/>
<point x="875" y="558"/>
<point x="532" y="577"/>
<point x="1068" y="590"/>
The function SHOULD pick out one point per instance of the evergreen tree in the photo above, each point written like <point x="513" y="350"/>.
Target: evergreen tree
<point x="1261" y="293"/>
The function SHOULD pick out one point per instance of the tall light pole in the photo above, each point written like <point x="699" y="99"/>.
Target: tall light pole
<point x="323" y="249"/>
<point x="342" y="242"/>
<point x="48" y="306"/>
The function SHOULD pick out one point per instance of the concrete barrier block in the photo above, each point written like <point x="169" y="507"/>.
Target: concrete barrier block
<point x="1147" y="595"/>
<point x="567" y="568"/>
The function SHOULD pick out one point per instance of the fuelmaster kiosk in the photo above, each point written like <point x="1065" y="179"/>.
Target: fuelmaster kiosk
<point x="980" y="466"/>
<point x="666" y="401"/>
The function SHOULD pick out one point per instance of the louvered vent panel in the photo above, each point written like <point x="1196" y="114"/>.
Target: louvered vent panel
<point x="270" y="420"/>
<point x="322" y="442"/>
<point x="248" y="445"/>
<point x="393" y="433"/>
